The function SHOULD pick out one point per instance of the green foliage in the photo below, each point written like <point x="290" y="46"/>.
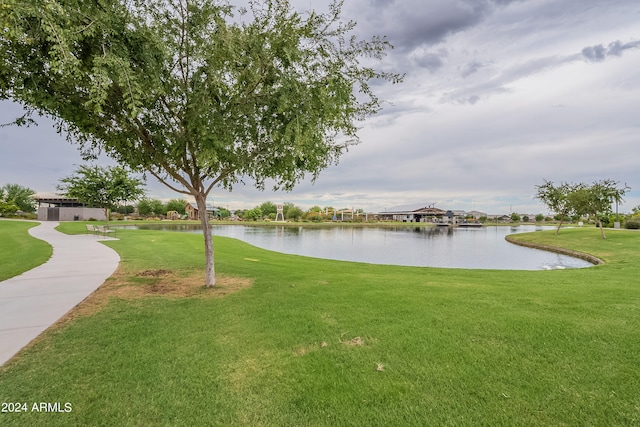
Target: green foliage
<point x="158" y="208"/>
<point x="582" y="199"/>
<point x="292" y="212"/>
<point x="314" y="216"/>
<point x="8" y="208"/>
<point x="193" y="94"/>
<point x="539" y="218"/>
<point x="597" y="200"/>
<point x="104" y="187"/>
<point x="144" y="207"/>
<point x="254" y="214"/>
<point x="556" y="198"/>
<point x="14" y="197"/>
<point x="125" y="210"/>
<point x="268" y="208"/>
<point x="515" y="217"/>
<point x="632" y="224"/>
<point x="177" y="205"/>
<point x="152" y="207"/>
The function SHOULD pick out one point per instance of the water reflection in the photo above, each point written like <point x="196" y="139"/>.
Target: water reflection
<point x="477" y="248"/>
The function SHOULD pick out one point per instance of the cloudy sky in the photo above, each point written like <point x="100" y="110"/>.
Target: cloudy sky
<point x="498" y="96"/>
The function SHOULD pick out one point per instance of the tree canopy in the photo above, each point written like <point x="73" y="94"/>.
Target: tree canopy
<point x="597" y="199"/>
<point x="104" y="187"/>
<point x="196" y="92"/>
<point x="582" y="199"/>
<point x="15" y="197"/>
<point x="556" y="198"/>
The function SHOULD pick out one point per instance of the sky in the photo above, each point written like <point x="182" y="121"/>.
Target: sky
<point x="498" y="96"/>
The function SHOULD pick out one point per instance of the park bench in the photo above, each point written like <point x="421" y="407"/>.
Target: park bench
<point x="90" y="229"/>
<point x="101" y="229"/>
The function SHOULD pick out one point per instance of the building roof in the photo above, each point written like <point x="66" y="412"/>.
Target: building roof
<point x="210" y="207"/>
<point x="56" y="200"/>
<point x="429" y="210"/>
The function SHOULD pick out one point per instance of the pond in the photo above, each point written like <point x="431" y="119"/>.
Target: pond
<point x="448" y="247"/>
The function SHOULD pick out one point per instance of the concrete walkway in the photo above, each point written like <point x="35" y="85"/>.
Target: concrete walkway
<point x="34" y="300"/>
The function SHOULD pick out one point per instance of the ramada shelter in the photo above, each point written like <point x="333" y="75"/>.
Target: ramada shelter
<point x="60" y="208"/>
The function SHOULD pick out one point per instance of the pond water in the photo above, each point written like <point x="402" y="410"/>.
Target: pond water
<point x="449" y="247"/>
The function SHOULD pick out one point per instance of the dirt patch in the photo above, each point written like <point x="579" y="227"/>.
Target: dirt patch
<point x="155" y="283"/>
<point x="354" y="342"/>
<point x="153" y="273"/>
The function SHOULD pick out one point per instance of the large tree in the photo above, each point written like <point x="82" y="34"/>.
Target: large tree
<point x="597" y="199"/>
<point x="195" y="92"/>
<point x="21" y="197"/>
<point x="103" y="187"/>
<point x="556" y="198"/>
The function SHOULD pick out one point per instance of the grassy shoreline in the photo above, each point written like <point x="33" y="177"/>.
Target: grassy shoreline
<point x="289" y="340"/>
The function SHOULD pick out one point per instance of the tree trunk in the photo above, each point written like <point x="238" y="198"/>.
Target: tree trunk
<point x="559" y="225"/>
<point x="106" y="213"/>
<point x="599" y="223"/>
<point x="210" y="277"/>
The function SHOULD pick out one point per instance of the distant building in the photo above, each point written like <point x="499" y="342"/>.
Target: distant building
<point x="476" y="214"/>
<point x="424" y="214"/>
<point x="430" y="214"/>
<point x="53" y="207"/>
<point x="191" y="209"/>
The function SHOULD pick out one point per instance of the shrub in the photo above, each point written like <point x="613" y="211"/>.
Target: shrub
<point x="632" y="224"/>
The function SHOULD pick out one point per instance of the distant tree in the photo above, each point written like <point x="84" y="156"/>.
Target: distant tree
<point x="192" y="92"/>
<point x="7" y="207"/>
<point x="151" y="207"/>
<point x="177" y="205"/>
<point x="596" y="200"/>
<point x="20" y="196"/>
<point x="268" y="208"/>
<point x="314" y="216"/>
<point x="224" y="213"/>
<point x="254" y="214"/>
<point x="158" y="207"/>
<point x="292" y="212"/>
<point x="103" y="187"/>
<point x="525" y="218"/>
<point x="556" y="198"/>
<point x="539" y="218"/>
<point x="515" y="217"/>
<point x="125" y="210"/>
<point x="144" y="207"/>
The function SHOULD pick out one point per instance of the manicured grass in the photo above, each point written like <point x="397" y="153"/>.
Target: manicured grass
<point x="19" y="251"/>
<point x="318" y="342"/>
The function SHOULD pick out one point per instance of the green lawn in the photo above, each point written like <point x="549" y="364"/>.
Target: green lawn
<point x="318" y="342"/>
<point x="19" y="251"/>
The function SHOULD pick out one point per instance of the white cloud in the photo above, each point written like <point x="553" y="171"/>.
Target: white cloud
<point x="499" y="95"/>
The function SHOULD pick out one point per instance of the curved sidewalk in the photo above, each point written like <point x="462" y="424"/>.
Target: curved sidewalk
<point x="34" y="300"/>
